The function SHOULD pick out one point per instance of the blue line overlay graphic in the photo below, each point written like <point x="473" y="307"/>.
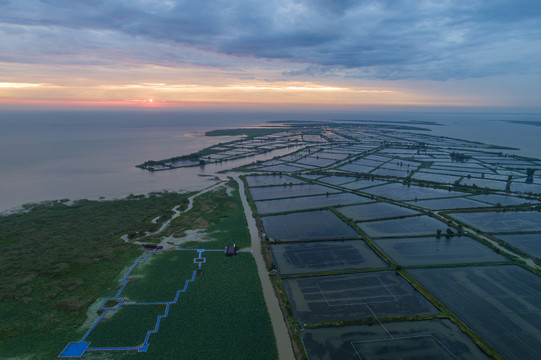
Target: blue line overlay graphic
<point x="77" y="349"/>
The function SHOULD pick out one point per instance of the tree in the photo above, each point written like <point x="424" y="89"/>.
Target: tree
<point x="529" y="174"/>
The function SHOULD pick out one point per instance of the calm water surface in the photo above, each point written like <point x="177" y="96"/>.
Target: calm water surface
<point x="55" y="155"/>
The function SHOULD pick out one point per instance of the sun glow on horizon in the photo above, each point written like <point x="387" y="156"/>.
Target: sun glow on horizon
<point x="17" y="85"/>
<point x="218" y="92"/>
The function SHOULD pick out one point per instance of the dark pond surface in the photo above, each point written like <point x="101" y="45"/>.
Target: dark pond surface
<point x="508" y="221"/>
<point x="428" y="339"/>
<point x="310" y="225"/>
<point x="416" y="225"/>
<point x="301" y="258"/>
<point x="336" y="180"/>
<point x="451" y="203"/>
<point x="398" y="191"/>
<point x="343" y="297"/>
<point x="284" y="191"/>
<point x="264" y="180"/>
<point x="504" y="200"/>
<point x="440" y="178"/>
<point x="529" y="243"/>
<point x="501" y="303"/>
<point x="484" y="183"/>
<point x="374" y="211"/>
<point x="363" y="183"/>
<point x="316" y="161"/>
<point x="309" y="202"/>
<point x="437" y="251"/>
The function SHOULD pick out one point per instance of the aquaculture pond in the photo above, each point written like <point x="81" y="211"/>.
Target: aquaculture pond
<point x="265" y="180"/>
<point x="433" y="250"/>
<point x="316" y="161"/>
<point x="389" y="172"/>
<point x="353" y="296"/>
<point x="399" y="191"/>
<point x="450" y="203"/>
<point x="363" y="183"/>
<point x="333" y="155"/>
<point x="439" y="178"/>
<point x="285" y="191"/>
<point x="336" y="180"/>
<point x="356" y="168"/>
<point x="321" y="256"/>
<point x="498" y="222"/>
<point x="374" y="211"/>
<point x="428" y="339"/>
<point x="503" y="200"/>
<point x="501" y="303"/>
<point x="524" y="187"/>
<point x="308" y="202"/>
<point x="529" y="243"/>
<point x="484" y="183"/>
<point x="282" y="167"/>
<point x="309" y="225"/>
<point x="393" y="185"/>
<point x="410" y="226"/>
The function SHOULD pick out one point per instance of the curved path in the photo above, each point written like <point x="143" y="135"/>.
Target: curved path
<point x="283" y="342"/>
<point x="188" y="208"/>
<point x="176" y="214"/>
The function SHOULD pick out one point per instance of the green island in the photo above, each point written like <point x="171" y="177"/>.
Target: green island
<point x="379" y="240"/>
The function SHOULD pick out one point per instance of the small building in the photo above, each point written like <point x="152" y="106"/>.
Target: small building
<point x="231" y="250"/>
<point x="152" y="246"/>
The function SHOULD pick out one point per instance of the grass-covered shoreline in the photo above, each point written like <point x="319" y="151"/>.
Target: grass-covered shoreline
<point x="201" y="157"/>
<point x="61" y="259"/>
<point x="57" y="259"/>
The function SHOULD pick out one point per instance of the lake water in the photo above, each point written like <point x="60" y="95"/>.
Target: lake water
<point x="55" y="155"/>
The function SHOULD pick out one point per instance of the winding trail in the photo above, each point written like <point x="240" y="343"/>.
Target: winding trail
<point x="188" y="208"/>
<point x="176" y="214"/>
<point x="283" y="342"/>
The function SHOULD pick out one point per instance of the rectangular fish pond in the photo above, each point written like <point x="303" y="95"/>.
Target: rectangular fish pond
<point x="501" y="303"/>
<point x="308" y="225"/>
<point x="320" y="256"/>
<point x="427" y="339"/>
<point x="354" y="296"/>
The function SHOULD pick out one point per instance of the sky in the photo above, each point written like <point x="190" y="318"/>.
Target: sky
<point x="267" y="54"/>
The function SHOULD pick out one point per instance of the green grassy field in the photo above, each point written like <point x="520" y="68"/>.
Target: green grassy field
<point x="126" y="327"/>
<point x="221" y="316"/>
<point x="158" y="278"/>
<point x="220" y="214"/>
<point x="58" y="259"/>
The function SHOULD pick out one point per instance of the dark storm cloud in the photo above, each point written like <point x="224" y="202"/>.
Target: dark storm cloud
<point x="377" y="39"/>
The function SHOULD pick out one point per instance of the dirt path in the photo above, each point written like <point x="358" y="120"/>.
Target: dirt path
<point x="529" y="261"/>
<point x="165" y="242"/>
<point x="285" y="350"/>
<point x="283" y="342"/>
<point x="526" y="259"/>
